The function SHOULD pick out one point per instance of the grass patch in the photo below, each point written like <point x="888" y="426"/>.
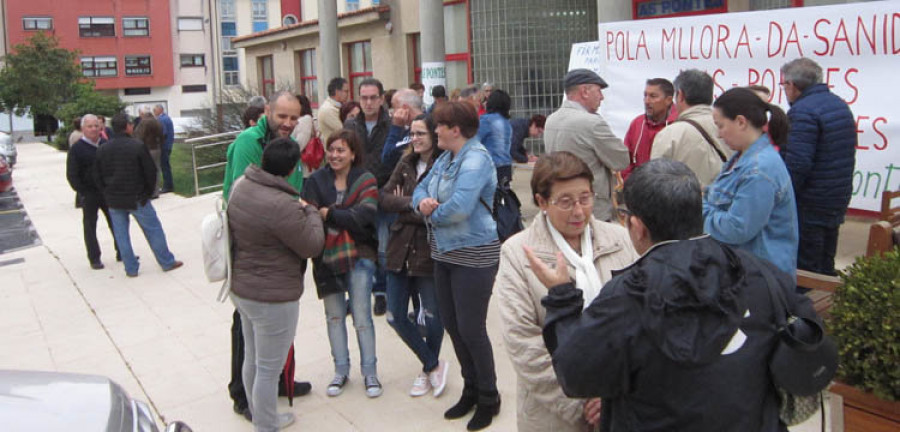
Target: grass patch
<point x="183" y="173"/>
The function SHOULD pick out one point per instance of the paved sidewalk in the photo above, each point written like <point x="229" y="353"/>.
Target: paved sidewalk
<point x="165" y="338"/>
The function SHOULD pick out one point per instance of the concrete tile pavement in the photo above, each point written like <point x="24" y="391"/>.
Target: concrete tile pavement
<point x="165" y="339"/>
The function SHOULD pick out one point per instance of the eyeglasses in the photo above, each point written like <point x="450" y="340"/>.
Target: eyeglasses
<point x="566" y="203"/>
<point x="369" y="98"/>
<point x="417" y="134"/>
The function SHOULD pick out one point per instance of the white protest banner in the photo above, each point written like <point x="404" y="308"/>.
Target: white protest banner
<point x="856" y="44"/>
<point x="433" y="74"/>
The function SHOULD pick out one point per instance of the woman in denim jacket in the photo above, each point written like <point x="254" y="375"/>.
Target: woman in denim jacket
<point x="750" y="205"/>
<point x="455" y="197"/>
<point x="495" y="133"/>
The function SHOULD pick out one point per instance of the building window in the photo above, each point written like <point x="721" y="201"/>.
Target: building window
<point x="195" y="88"/>
<point x="99" y="66"/>
<point x="360" y="56"/>
<point x="226" y="9"/>
<point x="96" y="26"/>
<point x="266" y="76"/>
<point x="137" y="91"/>
<point x="415" y="49"/>
<point x="229" y="30"/>
<point x="309" y="83"/>
<point x="289" y="19"/>
<point x="190" y="24"/>
<point x="259" y="13"/>
<point x="231" y="71"/>
<point x="193" y="60"/>
<point x="138" y="65"/>
<point x="458" y="62"/>
<point x="37" y="23"/>
<point x="136" y="26"/>
<point x="352" y="5"/>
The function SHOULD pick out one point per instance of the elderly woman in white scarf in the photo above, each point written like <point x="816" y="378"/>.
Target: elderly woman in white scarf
<point x="562" y="188"/>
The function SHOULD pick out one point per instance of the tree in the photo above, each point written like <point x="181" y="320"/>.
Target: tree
<point x="86" y="101"/>
<point x="39" y="77"/>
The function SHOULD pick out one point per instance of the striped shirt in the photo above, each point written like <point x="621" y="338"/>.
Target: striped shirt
<point x="481" y="256"/>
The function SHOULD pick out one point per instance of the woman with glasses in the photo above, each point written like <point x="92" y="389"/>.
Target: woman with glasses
<point x="455" y="198"/>
<point x="410" y="269"/>
<point x="561" y="185"/>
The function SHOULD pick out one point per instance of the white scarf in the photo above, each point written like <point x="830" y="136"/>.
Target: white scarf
<point x="586" y="277"/>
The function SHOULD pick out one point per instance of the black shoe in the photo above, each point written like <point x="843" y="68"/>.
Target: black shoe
<point x="466" y="402"/>
<point x="301" y="388"/>
<point x="244" y="411"/>
<point x="165" y="190"/>
<point x="488" y="408"/>
<point x="380" y="306"/>
<point x="97" y="265"/>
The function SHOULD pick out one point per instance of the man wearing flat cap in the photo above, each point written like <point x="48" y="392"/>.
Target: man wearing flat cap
<point x="578" y="128"/>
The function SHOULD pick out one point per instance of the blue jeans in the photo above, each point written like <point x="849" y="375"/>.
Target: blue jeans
<point x="145" y="216"/>
<point x="383" y="223"/>
<point x="398" y="293"/>
<point x="359" y="281"/>
<point x="269" y="330"/>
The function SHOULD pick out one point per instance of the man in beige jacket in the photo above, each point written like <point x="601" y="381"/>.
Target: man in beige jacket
<point x="693" y="138"/>
<point x="576" y="127"/>
<point x="330" y="109"/>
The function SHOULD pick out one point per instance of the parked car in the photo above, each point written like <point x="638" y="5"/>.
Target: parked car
<point x="8" y="148"/>
<point x="5" y="175"/>
<point x="54" y="401"/>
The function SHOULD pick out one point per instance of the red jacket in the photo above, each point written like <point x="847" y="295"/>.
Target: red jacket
<point x="639" y="138"/>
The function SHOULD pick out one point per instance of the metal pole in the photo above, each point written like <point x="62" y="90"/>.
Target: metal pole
<point x="434" y="72"/>
<point x="329" y="47"/>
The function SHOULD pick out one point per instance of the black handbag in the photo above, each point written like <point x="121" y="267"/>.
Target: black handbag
<point x="804" y="361"/>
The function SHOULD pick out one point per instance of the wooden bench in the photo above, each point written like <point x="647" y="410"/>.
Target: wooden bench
<point x="822" y="286"/>
<point x="883" y="235"/>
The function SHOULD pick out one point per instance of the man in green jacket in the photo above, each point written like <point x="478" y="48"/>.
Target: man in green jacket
<point x="247" y="148"/>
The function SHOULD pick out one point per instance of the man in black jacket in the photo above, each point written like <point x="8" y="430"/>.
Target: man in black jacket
<point x="679" y="340"/>
<point x="126" y="175"/>
<point x="372" y="126"/>
<point x="80" y="173"/>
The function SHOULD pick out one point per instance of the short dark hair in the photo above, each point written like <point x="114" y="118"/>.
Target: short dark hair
<point x="280" y="156"/>
<point x="696" y="85"/>
<point x="498" y="102"/>
<point x="335" y="84"/>
<point x="353" y="142"/>
<point x="372" y="82"/>
<point x="538" y="120"/>
<point x="665" y="85"/>
<point x="666" y="196"/>
<point x="120" y="123"/>
<point x="305" y="106"/>
<point x="556" y="167"/>
<point x="252" y="113"/>
<point x="417" y="86"/>
<point x="461" y="114"/>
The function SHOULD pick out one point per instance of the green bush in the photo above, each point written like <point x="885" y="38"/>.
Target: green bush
<point x="865" y="319"/>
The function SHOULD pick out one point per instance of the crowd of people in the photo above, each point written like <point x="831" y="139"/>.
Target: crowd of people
<point x="628" y="302"/>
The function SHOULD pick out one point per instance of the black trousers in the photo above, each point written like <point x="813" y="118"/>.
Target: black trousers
<point x="463" y="295"/>
<point x="90" y="204"/>
<point x="236" y="386"/>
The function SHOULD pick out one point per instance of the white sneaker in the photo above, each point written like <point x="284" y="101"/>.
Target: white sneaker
<point x="285" y="419"/>
<point x="421" y="385"/>
<point x="438" y="377"/>
<point x="337" y="385"/>
<point x="373" y="386"/>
